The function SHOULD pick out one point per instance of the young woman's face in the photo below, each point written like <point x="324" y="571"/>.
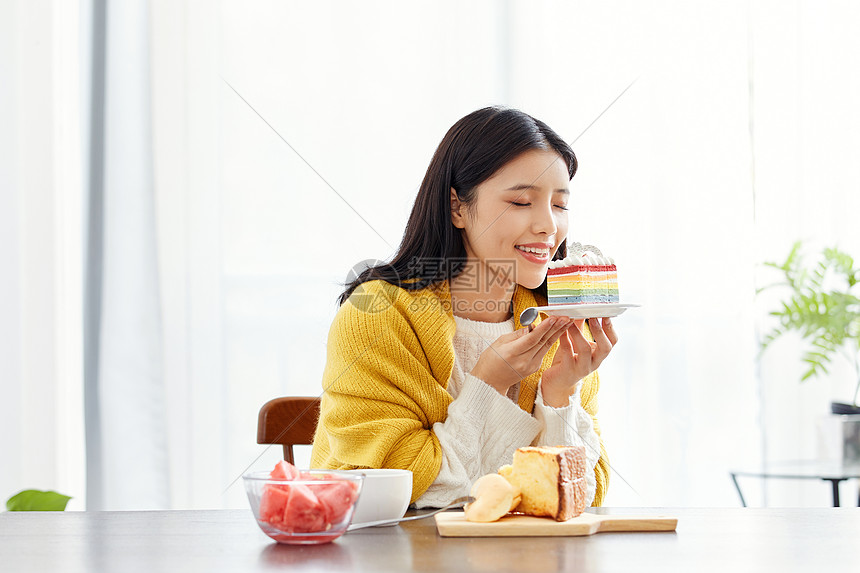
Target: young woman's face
<point x="519" y="217"/>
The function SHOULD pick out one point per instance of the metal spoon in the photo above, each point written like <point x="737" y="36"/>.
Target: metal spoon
<point x="529" y="315"/>
<point x="456" y="502"/>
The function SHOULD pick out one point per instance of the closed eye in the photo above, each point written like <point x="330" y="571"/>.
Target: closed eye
<point x="515" y="204"/>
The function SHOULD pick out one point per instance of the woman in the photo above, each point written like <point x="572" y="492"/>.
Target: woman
<point x="428" y="367"/>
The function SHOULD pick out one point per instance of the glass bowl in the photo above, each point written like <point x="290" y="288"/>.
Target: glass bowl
<point x="314" y="508"/>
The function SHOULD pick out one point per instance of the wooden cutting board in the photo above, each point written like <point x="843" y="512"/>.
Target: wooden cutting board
<point x="454" y="524"/>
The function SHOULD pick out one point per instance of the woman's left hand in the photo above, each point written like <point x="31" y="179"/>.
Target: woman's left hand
<point x="575" y="359"/>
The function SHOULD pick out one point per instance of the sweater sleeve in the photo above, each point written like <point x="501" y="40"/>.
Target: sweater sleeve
<point x="481" y="433"/>
<point x="570" y="426"/>
<point x="381" y="396"/>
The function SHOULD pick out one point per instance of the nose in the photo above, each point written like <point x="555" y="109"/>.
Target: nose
<point x="543" y="220"/>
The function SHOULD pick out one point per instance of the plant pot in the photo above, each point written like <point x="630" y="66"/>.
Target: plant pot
<point x="839" y="438"/>
<point x="843" y="408"/>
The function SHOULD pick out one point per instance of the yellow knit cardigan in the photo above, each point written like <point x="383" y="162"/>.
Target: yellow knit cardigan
<point x="389" y="359"/>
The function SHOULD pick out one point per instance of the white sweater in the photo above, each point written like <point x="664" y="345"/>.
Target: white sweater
<point x="484" y="428"/>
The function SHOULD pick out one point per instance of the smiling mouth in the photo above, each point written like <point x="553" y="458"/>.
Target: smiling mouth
<point x="534" y="251"/>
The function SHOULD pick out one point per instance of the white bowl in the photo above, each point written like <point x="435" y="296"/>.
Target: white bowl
<point x="385" y="494"/>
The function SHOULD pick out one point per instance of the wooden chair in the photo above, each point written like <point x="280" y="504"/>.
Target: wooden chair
<point x="288" y="421"/>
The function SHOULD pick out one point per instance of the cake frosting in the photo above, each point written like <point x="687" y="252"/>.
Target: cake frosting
<point x="584" y="276"/>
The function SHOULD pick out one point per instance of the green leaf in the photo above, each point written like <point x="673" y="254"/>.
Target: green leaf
<point x="822" y="305"/>
<point x="35" y="500"/>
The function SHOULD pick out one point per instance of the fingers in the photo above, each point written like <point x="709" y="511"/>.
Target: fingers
<point x="602" y="344"/>
<point x="576" y="356"/>
<point x="582" y="347"/>
<point x="610" y="331"/>
<point x="517" y="334"/>
<point x="548" y="339"/>
<point x="604" y="338"/>
<point x="548" y="330"/>
<point x="557" y="333"/>
<point x="564" y="344"/>
<point x="540" y="338"/>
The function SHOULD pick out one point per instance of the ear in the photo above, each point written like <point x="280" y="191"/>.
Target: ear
<point x="457" y="211"/>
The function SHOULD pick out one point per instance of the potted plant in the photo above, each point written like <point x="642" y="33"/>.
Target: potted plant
<point x="824" y="308"/>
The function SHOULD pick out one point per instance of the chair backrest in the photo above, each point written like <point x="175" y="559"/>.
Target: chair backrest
<point x="288" y="421"/>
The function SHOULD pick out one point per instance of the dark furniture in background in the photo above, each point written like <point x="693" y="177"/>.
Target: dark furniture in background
<point x="288" y="422"/>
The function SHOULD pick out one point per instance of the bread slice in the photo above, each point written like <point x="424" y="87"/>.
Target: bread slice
<point x="551" y="480"/>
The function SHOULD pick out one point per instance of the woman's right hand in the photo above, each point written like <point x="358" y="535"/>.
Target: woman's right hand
<point x="514" y="356"/>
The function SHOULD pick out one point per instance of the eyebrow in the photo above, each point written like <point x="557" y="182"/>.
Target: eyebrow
<point x="523" y="187"/>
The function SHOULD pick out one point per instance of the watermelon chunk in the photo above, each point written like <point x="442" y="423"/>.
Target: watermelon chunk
<point x="284" y="470"/>
<point x="298" y="508"/>
<point x="336" y="499"/>
<point x="310" y="476"/>
<point x="304" y="513"/>
<point x="273" y="504"/>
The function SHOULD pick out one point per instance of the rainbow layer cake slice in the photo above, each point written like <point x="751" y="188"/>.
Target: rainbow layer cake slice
<point x="584" y="276"/>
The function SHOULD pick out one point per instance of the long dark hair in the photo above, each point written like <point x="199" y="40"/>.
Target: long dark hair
<point x="474" y="149"/>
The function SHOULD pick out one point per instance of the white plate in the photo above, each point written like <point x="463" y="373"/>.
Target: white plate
<point x="598" y="310"/>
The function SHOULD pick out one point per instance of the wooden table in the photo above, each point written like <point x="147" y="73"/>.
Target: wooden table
<point x="730" y="539"/>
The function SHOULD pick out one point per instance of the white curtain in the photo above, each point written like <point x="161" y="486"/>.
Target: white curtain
<point x="127" y="433"/>
<point x="684" y="180"/>
<point x="664" y="187"/>
<point x="159" y="399"/>
<point x="222" y="249"/>
<point x="41" y="255"/>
